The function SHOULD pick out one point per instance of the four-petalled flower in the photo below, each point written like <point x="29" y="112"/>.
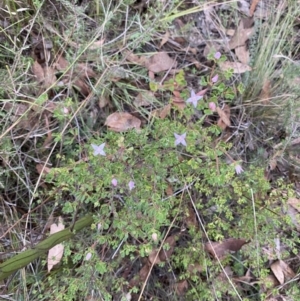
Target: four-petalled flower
<point x="99" y="150"/>
<point x="194" y="98"/>
<point x="180" y="139"/>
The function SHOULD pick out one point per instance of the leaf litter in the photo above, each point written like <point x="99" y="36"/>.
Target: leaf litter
<point x="50" y="75"/>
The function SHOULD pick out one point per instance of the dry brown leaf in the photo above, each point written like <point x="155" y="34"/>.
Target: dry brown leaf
<point x="97" y="44"/>
<point x="295" y="203"/>
<point x="50" y="77"/>
<point x="164" y="39"/>
<point x="242" y="54"/>
<point x="38" y="72"/>
<point x="230" y="32"/>
<point x="224" y="274"/>
<point x="247" y="278"/>
<point x="169" y="190"/>
<point x="18" y="109"/>
<point x="122" y="121"/>
<point x="282" y="271"/>
<point x="181" y="287"/>
<point x="220" y="249"/>
<point x="161" y="112"/>
<point x="141" y="277"/>
<point x="55" y="254"/>
<point x="241" y="35"/>
<point x="160" y="61"/>
<point x="273" y="163"/>
<point x="294" y="215"/>
<point x="195" y="268"/>
<point x="224" y="116"/>
<point x="191" y="218"/>
<point x="145" y="98"/>
<point x="165" y="111"/>
<point x="83" y="70"/>
<point x="166" y="254"/>
<point x="61" y="64"/>
<point x="103" y="101"/>
<point x="236" y="66"/>
<point x="288" y="272"/>
<point x="82" y="86"/>
<point x="133" y="58"/>
<point x="48" y="140"/>
<point x="41" y="169"/>
<point x="177" y="100"/>
<point x="152" y="257"/>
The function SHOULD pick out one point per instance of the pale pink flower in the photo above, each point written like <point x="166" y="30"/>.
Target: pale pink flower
<point x="131" y="185"/>
<point x="154" y="236"/>
<point x="65" y="110"/>
<point x="114" y="182"/>
<point x="88" y="256"/>
<point x="215" y="78"/>
<point x="212" y="106"/>
<point x="217" y="55"/>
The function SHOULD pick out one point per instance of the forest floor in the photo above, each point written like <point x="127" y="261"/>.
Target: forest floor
<point x="163" y="136"/>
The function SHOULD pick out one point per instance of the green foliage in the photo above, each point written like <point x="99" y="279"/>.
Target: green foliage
<point x="172" y="183"/>
<point x="150" y="159"/>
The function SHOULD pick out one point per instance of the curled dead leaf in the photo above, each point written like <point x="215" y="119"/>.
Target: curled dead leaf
<point x="241" y="35"/>
<point x="165" y="254"/>
<point x="177" y="100"/>
<point x="55" y="254"/>
<point x="220" y="249"/>
<point x="242" y="54"/>
<point x="82" y="86"/>
<point x="164" y="112"/>
<point x="141" y="277"/>
<point x="122" y="121"/>
<point x="97" y="44"/>
<point x="61" y="64"/>
<point x="103" y="100"/>
<point x="41" y="169"/>
<point x="282" y="271"/>
<point x="145" y="98"/>
<point x="83" y="70"/>
<point x="236" y="66"/>
<point x="165" y="38"/>
<point x="38" y="72"/>
<point x="17" y="109"/>
<point x="160" y="61"/>
<point x="224" y="114"/>
<point x="181" y="287"/>
<point x="295" y="203"/>
<point x="195" y="268"/>
<point x="153" y="257"/>
<point x="50" y="77"/>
